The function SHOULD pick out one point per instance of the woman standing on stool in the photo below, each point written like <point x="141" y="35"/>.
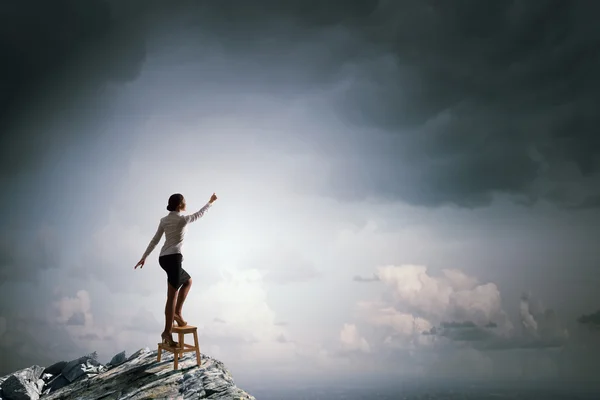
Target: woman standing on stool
<point x="174" y="226"/>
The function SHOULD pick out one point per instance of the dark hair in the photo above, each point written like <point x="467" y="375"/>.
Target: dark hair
<point x="175" y="201"/>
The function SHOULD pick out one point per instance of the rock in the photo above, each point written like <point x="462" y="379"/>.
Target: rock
<point x="55" y="368"/>
<point x="23" y="384"/>
<point x="118" y="359"/>
<point x="56" y="383"/>
<point x="138" y="353"/>
<point x="76" y="368"/>
<point x="142" y="377"/>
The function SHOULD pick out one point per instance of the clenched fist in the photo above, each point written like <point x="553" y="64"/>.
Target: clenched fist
<point x="213" y="198"/>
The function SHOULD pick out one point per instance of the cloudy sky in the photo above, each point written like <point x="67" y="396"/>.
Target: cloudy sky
<point x="405" y="187"/>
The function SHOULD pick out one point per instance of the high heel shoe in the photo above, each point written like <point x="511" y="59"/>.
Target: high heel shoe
<point x="179" y="320"/>
<point x="168" y="340"/>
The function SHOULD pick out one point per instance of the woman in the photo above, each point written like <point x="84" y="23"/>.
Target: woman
<point x="174" y="226"/>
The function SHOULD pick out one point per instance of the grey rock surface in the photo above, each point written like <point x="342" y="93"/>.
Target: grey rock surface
<point x="55" y="368"/>
<point x="83" y="365"/>
<point x="23" y="384"/>
<point x="138" y="377"/>
<point x="118" y="359"/>
<point x="55" y="384"/>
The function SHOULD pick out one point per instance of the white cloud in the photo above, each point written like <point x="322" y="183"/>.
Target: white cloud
<point x="240" y="299"/>
<point x="415" y="289"/>
<point x="539" y="322"/>
<point x="440" y="322"/>
<point x="74" y="313"/>
<point x="448" y="297"/>
<point x="67" y="307"/>
<point x="527" y="319"/>
<point x="394" y="329"/>
<point x="459" y="280"/>
<point x="352" y="340"/>
<point x="481" y="305"/>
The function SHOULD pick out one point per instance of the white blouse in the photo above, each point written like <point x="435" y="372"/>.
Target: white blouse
<point x="174" y="226"/>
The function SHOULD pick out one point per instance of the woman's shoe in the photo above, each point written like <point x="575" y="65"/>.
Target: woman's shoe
<point x="168" y="340"/>
<point x="179" y="320"/>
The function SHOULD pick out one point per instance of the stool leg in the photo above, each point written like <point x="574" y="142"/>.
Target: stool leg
<point x="197" y="348"/>
<point x="176" y="359"/>
<point x="159" y="353"/>
<point x="181" y="340"/>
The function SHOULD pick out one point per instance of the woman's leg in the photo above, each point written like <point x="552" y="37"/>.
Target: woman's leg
<point x="185" y="288"/>
<point x="170" y="308"/>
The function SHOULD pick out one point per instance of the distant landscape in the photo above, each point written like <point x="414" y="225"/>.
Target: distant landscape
<point x="431" y="391"/>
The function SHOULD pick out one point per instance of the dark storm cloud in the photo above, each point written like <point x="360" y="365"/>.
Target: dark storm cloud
<point x="24" y="254"/>
<point x="40" y="38"/>
<point x="466" y="331"/>
<point x="460" y="99"/>
<point x="590" y="320"/>
<point x="458" y="325"/>
<point x="476" y="98"/>
<point x="484" y="337"/>
<point x="52" y="50"/>
<point x="21" y="346"/>
<point x="456" y="101"/>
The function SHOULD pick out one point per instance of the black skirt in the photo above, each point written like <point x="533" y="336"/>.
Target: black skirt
<point x="176" y="275"/>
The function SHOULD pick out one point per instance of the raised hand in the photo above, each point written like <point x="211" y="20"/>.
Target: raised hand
<point x="140" y="264"/>
<point x="213" y="198"/>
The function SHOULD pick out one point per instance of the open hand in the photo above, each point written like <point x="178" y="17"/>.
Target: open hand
<point x="140" y="264"/>
<point x="213" y="198"/>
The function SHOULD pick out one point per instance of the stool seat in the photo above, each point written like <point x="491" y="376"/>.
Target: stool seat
<point x="184" y="329"/>
<point x="182" y="346"/>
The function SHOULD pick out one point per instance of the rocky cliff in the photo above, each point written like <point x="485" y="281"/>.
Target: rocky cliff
<point x="135" y="378"/>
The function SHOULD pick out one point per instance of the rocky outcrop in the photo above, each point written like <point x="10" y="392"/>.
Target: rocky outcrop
<point x="135" y="378"/>
<point x="23" y="385"/>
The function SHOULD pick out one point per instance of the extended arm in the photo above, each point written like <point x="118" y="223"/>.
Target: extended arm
<point x="154" y="241"/>
<point x="198" y="214"/>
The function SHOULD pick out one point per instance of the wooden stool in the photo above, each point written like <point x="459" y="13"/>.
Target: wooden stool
<point x="182" y="347"/>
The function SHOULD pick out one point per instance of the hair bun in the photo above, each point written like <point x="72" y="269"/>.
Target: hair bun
<point x="174" y="201"/>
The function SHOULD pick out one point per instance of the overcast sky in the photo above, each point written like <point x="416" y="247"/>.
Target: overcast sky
<point x="405" y="187"/>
